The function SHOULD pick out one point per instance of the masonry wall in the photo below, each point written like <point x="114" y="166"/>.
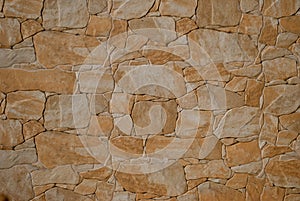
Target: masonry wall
<point x="170" y="100"/>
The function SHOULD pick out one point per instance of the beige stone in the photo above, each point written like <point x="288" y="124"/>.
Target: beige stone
<point x="249" y="5"/>
<point x="25" y="105"/>
<point x="212" y="191"/>
<point x="254" y="188"/>
<point x="99" y="26"/>
<point x="131" y="9"/>
<point x="185" y="25"/>
<point x="272" y="52"/>
<point x="237" y="84"/>
<point x="62" y="48"/>
<point x="250" y="24"/>
<point x="178" y="8"/>
<point x="160" y="56"/>
<point x="55" y="148"/>
<point x="97" y="6"/>
<point x="120" y="196"/>
<point x="272" y="193"/>
<point x="70" y="14"/>
<point x="212" y="169"/>
<point x="194" y="183"/>
<point x="86" y="187"/>
<point x="99" y="103"/>
<point x="162" y="182"/>
<point x="190" y="195"/>
<point x="269" y="31"/>
<point x="188" y="101"/>
<point x="60" y="194"/>
<point x="128" y="144"/>
<point x="239" y="122"/>
<point x="41" y="189"/>
<point x="249" y="71"/>
<point x="104" y="191"/>
<point x="285" y="39"/>
<point x="237" y="181"/>
<point x="270" y="151"/>
<point x="10" y="133"/>
<point x="291" y="24"/>
<point x="100" y="125"/>
<point x="280" y="8"/>
<point x="45" y="80"/>
<point x="32" y="128"/>
<point x="30" y="27"/>
<point x="279" y="69"/>
<point x="17" y="177"/>
<point x="284" y="138"/>
<point x="292" y="197"/>
<point x="102" y="174"/>
<point x="22" y="9"/>
<point x="281" y="99"/>
<point x="242" y="153"/>
<point x="11" y="158"/>
<point x="250" y="168"/>
<point x="121" y="103"/>
<point x="253" y="92"/>
<point x="269" y="130"/>
<point x="291" y="121"/>
<point x="16" y="56"/>
<point x="10" y="34"/>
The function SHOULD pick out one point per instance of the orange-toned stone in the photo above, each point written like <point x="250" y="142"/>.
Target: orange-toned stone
<point x="279" y="69"/>
<point x="185" y="25"/>
<point x="128" y="144"/>
<point x="291" y="24"/>
<point x="253" y="92"/>
<point x="102" y="174"/>
<point x="104" y="191"/>
<point x="237" y="84"/>
<point x="23" y="9"/>
<point x="10" y="32"/>
<point x="99" y="26"/>
<point x="280" y="8"/>
<point x="254" y="188"/>
<point x="291" y="121"/>
<point x="237" y="181"/>
<point x="32" y="128"/>
<point x="269" y="31"/>
<point x="57" y="192"/>
<point x="284" y="138"/>
<point x="250" y="24"/>
<point x="30" y="27"/>
<point x="272" y="193"/>
<point x="10" y="133"/>
<point x="97" y="6"/>
<point x="86" y="187"/>
<point x="177" y="8"/>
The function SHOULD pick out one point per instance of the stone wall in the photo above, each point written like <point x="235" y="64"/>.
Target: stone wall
<point x="170" y="100"/>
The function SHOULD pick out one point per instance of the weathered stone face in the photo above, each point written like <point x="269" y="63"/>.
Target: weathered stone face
<point x="19" y="8"/>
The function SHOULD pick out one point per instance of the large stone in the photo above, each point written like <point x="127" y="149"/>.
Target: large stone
<point x="291" y="121"/>
<point x="250" y="24"/>
<point x="10" y="32"/>
<point x="239" y="122"/>
<point x="60" y="194"/>
<point x="9" y="57"/>
<point x="104" y="191"/>
<point x="66" y="111"/>
<point x="269" y="31"/>
<point x="209" y="191"/>
<point x="218" y="12"/>
<point x="212" y="169"/>
<point x="25" y="105"/>
<point x="18" y="8"/>
<point x="11" y="158"/>
<point x="281" y="99"/>
<point x="97" y="6"/>
<point x="123" y="9"/>
<point x="55" y="148"/>
<point x="249" y="5"/>
<point x="285" y="39"/>
<point x="61" y="174"/>
<point x="99" y="26"/>
<point x="69" y="13"/>
<point x="44" y="80"/>
<point x="10" y="133"/>
<point x="280" y="8"/>
<point x="178" y="8"/>
<point x="279" y="69"/>
<point x="56" y="48"/>
<point x="169" y="181"/>
<point x="16" y="182"/>
<point x="291" y="24"/>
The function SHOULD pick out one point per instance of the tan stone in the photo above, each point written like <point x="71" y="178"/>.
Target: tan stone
<point x="178" y="8"/>
<point x="185" y="25"/>
<point x="212" y="71"/>
<point x="216" y="12"/>
<point x="97" y="6"/>
<point x="237" y="181"/>
<point x="249" y="5"/>
<point x="120" y="196"/>
<point x="104" y="191"/>
<point x="212" y="169"/>
<point x="30" y="27"/>
<point x="194" y="183"/>
<point x="188" y="101"/>
<point x="162" y="182"/>
<point x="32" y="128"/>
<point x="121" y="103"/>
<point x="269" y="31"/>
<point x="212" y="191"/>
<point x="250" y="168"/>
<point x="237" y="84"/>
<point x="160" y="57"/>
<point x="250" y="24"/>
<point x="101" y="125"/>
<point x="128" y="144"/>
<point x="11" y="158"/>
<point x="25" y="105"/>
<point x="249" y="71"/>
<point x="284" y="138"/>
<point x="41" y="189"/>
<point x="253" y="92"/>
<point x="16" y="56"/>
<point x="280" y="8"/>
<point x="291" y="121"/>
<point x="44" y="80"/>
<point x="279" y="69"/>
<point x="17" y="177"/>
<point x="102" y="174"/>
<point x="131" y="9"/>
<point x="10" y="133"/>
<point x="254" y="188"/>
<point x="292" y="197"/>
<point x="283" y="173"/>
<point x="86" y="187"/>
<point x="60" y="194"/>
<point x="242" y="153"/>
<point x="285" y="39"/>
<point x="22" y="9"/>
<point x="55" y="148"/>
<point x="272" y="52"/>
<point x="188" y="196"/>
<point x="281" y="99"/>
<point x="99" y="103"/>
<point x="55" y="48"/>
<point x="191" y="74"/>
<point x="239" y="122"/>
<point x="269" y="130"/>
<point x="272" y="193"/>
<point x="70" y="14"/>
<point x="10" y="34"/>
<point x="99" y="26"/>
<point x="270" y="151"/>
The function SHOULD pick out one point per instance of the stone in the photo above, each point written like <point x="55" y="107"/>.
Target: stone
<point x="86" y="187"/>
<point x="41" y="189"/>
<point x="100" y="125"/>
<point x="66" y="111"/>
<point x="279" y="69"/>
<point x="62" y="48"/>
<point x="99" y="26"/>
<point x="126" y="144"/>
<point x="237" y="181"/>
<point x="250" y="24"/>
<point x="188" y="101"/>
<point x="272" y="193"/>
<point x="237" y="84"/>
<point x="17" y="177"/>
<point x="10" y="133"/>
<point x="270" y="151"/>
<point x="212" y="169"/>
<point x="242" y="153"/>
<point x="292" y="197"/>
<point x="19" y="8"/>
<point x="56" y="148"/>
<point x="254" y="188"/>
<point x="11" y="158"/>
<point x="25" y="105"/>
<point x="190" y="195"/>
<point x="97" y="6"/>
<point x="131" y="9"/>
<point x="61" y="174"/>
<point x="32" y="128"/>
<point x="44" y="80"/>
<point x="249" y="71"/>
<point x="177" y="8"/>
<point x="269" y="31"/>
<point x="239" y="122"/>
<point x="272" y="52"/>
<point x="291" y="24"/>
<point x="121" y="103"/>
<point x="120" y="196"/>
<point x="253" y="92"/>
<point x="69" y="14"/>
<point x="60" y="194"/>
<point x="102" y="174"/>
<point x="285" y="39"/>
<point x="185" y="25"/>
<point x="284" y="138"/>
<point x="212" y="191"/>
<point x="160" y="57"/>
<point x="268" y="130"/>
<point x="30" y="27"/>
<point x="16" y="56"/>
<point x="291" y="121"/>
<point x="162" y="182"/>
<point x="104" y="191"/>
<point x="280" y="8"/>
<point x="249" y="5"/>
<point x="250" y="168"/>
<point x="98" y="103"/>
<point x="10" y="34"/>
<point x="283" y="173"/>
<point x="281" y="99"/>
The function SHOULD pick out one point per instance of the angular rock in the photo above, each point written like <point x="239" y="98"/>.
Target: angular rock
<point x="16" y="56"/>
<point x="126" y="144"/>
<point x="121" y="103"/>
<point x="285" y="39"/>
<point x="22" y="9"/>
<point x="86" y="187"/>
<point x="250" y="168"/>
<point x="284" y="138"/>
<point x="60" y="194"/>
<point x="272" y="52"/>
<point x="292" y="197"/>
<point x="97" y="6"/>
<point x="249" y="5"/>
<point x="253" y="92"/>
<point x="291" y="121"/>
<point x="100" y="125"/>
<point x="272" y="193"/>
<point x="237" y="181"/>
<point x="70" y="14"/>
<point x="99" y="26"/>
<point x="11" y="158"/>
<point x="269" y="31"/>
<point x="178" y="8"/>
<point x="131" y="9"/>
<point x="268" y="130"/>
<point x="190" y="195"/>
<point x="66" y="111"/>
<point x="10" y="32"/>
<point x="250" y="24"/>
<point x="280" y="8"/>
<point x="291" y="24"/>
<point x="239" y="122"/>
<point x="120" y="196"/>
<point x="237" y="84"/>
<point x="25" y="105"/>
<point x="279" y="69"/>
<point x="44" y="80"/>
<point x="254" y="188"/>
<point x="30" y="27"/>
<point x="32" y="128"/>
<point x="104" y="191"/>
<point x="102" y="174"/>
<point x="270" y="151"/>
<point x="249" y="71"/>
<point x="10" y="133"/>
<point x="185" y="25"/>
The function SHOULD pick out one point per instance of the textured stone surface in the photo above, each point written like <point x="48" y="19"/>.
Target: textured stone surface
<point x="10" y="34"/>
<point x="99" y="26"/>
<point x="16" y="56"/>
<point x="280" y="8"/>
<point x="291" y="24"/>
<point x="10" y="133"/>
<point x="19" y="8"/>
<point x="30" y="27"/>
<point x="178" y="8"/>
<point x="279" y="69"/>
<point x="12" y="158"/>
<point x="60" y="194"/>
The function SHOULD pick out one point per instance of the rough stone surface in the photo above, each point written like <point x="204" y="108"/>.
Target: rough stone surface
<point x="279" y="69"/>
<point x="16" y="56"/>
<point x="178" y="8"/>
<point x="22" y="9"/>
<point x="280" y="8"/>
<point x="291" y="24"/>
<point x="10" y="34"/>
<point x="60" y="194"/>
<point x="30" y="27"/>
<point x="10" y="133"/>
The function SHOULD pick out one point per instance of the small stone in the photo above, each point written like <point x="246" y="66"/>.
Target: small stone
<point x="16" y="56"/>
<point x="280" y="8"/>
<point x="291" y="24"/>
<point x="254" y="188"/>
<point x="41" y="189"/>
<point x="249" y="5"/>
<point x="269" y="31"/>
<point x="237" y="84"/>
<point x="86" y="187"/>
<point x="249" y="71"/>
<point x="19" y="157"/>
<point x="30" y="27"/>
<point x="22" y="9"/>
<point x="25" y="105"/>
<point x="60" y="194"/>
<point x="10" y="34"/>
<point x="104" y="191"/>
<point x="178" y="8"/>
<point x="32" y="128"/>
<point x="250" y="168"/>
<point x="253" y="92"/>
<point x="188" y="196"/>
<point x="284" y="138"/>
<point x="98" y="103"/>
<point x="97" y="6"/>
<point x="279" y="69"/>
<point x="242" y="153"/>
<point x="193" y="183"/>
<point x="237" y="181"/>
<point x="270" y="151"/>
<point x="291" y="121"/>
<point x="268" y="130"/>
<point x="272" y="193"/>
<point x="127" y="144"/>
<point x="285" y="39"/>
<point x="10" y="133"/>
<point x="185" y="25"/>
<point x="250" y="24"/>
<point x="272" y="52"/>
<point x="102" y="174"/>
<point x="99" y="26"/>
<point x="188" y="101"/>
